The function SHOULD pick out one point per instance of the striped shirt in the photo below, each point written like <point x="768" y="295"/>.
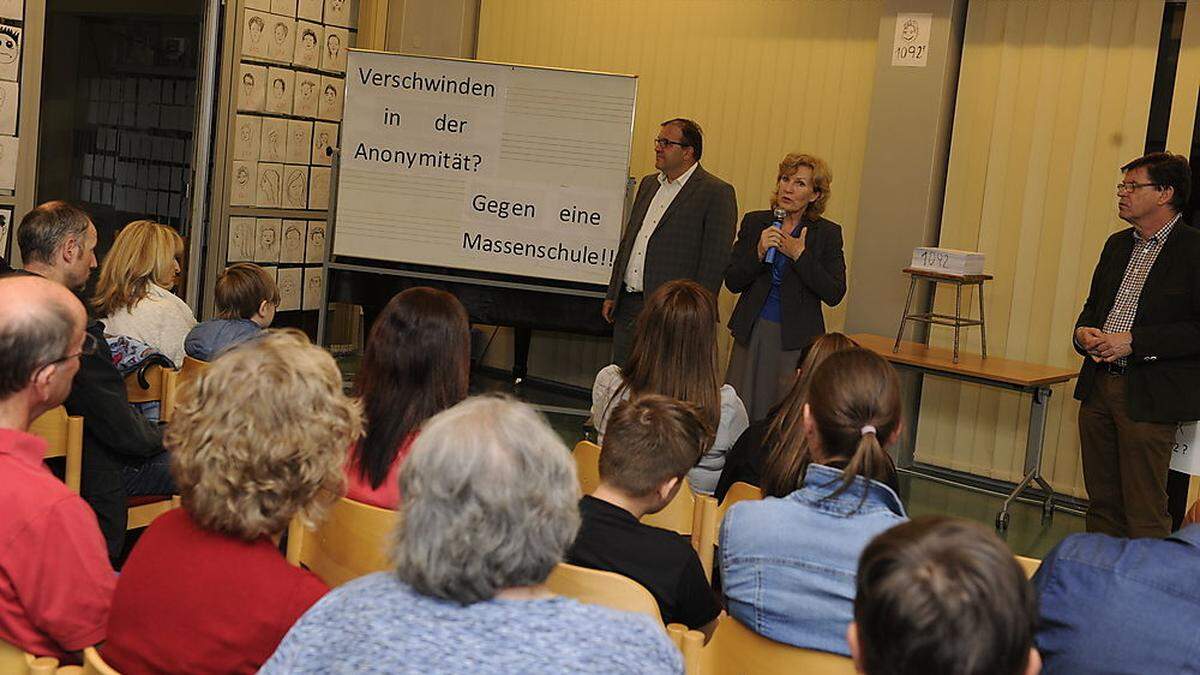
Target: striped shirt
<point x="1145" y="252"/>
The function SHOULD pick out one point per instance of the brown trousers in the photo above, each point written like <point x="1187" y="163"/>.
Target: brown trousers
<point x="1125" y="464"/>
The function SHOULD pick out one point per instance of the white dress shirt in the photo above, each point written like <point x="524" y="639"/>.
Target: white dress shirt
<point x="667" y="191"/>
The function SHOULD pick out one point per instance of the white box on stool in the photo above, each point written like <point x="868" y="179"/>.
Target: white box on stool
<point x="947" y="260"/>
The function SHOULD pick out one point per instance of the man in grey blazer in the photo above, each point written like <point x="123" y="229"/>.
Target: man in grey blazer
<point x="681" y="227"/>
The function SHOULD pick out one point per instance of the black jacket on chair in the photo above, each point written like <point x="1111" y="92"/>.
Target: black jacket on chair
<point x="818" y="275"/>
<point x="1163" y="372"/>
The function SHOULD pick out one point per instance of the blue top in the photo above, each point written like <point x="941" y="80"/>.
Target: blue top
<point x="789" y="564"/>
<point x="1112" y="605"/>
<point x="210" y="338"/>
<point x="377" y="624"/>
<point x="772" y="309"/>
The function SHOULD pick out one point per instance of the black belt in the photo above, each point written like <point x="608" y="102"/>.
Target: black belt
<point x="1115" y="369"/>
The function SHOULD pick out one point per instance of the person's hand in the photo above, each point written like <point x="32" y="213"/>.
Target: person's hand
<point x="770" y="237"/>
<point x="606" y="310"/>
<point x="791" y="246"/>
<point x="1088" y="337"/>
<point x="1114" y="346"/>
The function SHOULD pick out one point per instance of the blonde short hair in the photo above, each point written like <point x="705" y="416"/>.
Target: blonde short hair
<point x="822" y="179"/>
<point x="144" y="252"/>
<point x="261" y="436"/>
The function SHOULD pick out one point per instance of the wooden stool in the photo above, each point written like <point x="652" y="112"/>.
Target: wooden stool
<point x="957" y="321"/>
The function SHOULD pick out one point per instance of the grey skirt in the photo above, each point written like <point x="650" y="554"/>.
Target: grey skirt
<point x="762" y="371"/>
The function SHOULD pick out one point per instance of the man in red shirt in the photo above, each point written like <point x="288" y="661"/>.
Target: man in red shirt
<point x="56" y="583"/>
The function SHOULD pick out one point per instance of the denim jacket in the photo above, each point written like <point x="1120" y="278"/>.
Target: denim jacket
<point x="788" y="565"/>
<point x="1112" y="605"/>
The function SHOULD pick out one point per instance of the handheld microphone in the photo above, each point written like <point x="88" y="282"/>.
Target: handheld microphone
<point x="777" y="223"/>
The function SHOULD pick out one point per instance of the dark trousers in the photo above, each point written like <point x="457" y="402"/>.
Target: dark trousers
<point x="1125" y="464"/>
<point x="624" y="324"/>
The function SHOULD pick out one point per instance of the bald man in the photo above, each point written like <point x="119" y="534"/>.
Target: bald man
<point x="56" y="582"/>
<point x="123" y="454"/>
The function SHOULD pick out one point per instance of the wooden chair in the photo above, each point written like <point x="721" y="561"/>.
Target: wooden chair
<point x="587" y="466"/>
<point x="597" y="587"/>
<point x="162" y="383"/>
<point x="94" y="665"/>
<point x="64" y="435"/>
<point x="351" y="542"/>
<point x="738" y="492"/>
<point x="735" y="648"/>
<point x="189" y="371"/>
<point x="16" y="661"/>
<point x="1030" y="565"/>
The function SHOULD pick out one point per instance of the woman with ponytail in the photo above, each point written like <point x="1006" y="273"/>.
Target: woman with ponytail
<point x="788" y="564"/>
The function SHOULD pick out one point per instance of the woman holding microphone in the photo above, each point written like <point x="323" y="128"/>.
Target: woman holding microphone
<point x="786" y="262"/>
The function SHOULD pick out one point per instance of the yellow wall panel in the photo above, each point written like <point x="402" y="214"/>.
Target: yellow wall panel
<point x="763" y="78"/>
<point x="1053" y="97"/>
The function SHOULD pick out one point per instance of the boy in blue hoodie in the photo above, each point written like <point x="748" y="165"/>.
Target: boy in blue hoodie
<point x="246" y="298"/>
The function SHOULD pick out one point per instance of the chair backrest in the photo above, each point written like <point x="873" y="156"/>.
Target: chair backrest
<point x="63" y="434"/>
<point x="735" y="648"/>
<point x="679" y="515"/>
<point x="1030" y="565"/>
<point x="587" y="466"/>
<point x="351" y="542"/>
<point x="597" y="587"/>
<point x="190" y="370"/>
<point x="162" y="389"/>
<point x="739" y="492"/>
<point x="94" y="665"/>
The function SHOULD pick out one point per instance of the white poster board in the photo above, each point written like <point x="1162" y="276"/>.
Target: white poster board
<point x="483" y="166"/>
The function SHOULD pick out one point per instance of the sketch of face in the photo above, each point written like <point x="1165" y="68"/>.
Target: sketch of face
<point x="308" y="40"/>
<point x="9" y="45"/>
<point x="248" y="83"/>
<point x="246" y="133"/>
<point x="307" y="88"/>
<point x="281" y="33"/>
<point x="330" y="94"/>
<point x="333" y="44"/>
<point x="268" y="238"/>
<point x="314" y="284"/>
<point x="295" y="188"/>
<point x="317" y="236"/>
<point x="256" y="29"/>
<point x="278" y="88"/>
<point x="287" y="286"/>
<point x="270" y="184"/>
<point x="242" y="176"/>
<point x="291" y="237"/>
<point x="337" y="5"/>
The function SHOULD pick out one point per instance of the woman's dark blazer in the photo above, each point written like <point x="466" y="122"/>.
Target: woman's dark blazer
<point x="818" y="275"/>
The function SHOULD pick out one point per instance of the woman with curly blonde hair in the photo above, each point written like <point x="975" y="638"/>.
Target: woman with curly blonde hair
<point x="259" y="437"/>
<point x="133" y="293"/>
<point x="786" y="263"/>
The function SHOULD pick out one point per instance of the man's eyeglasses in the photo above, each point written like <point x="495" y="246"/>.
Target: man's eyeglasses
<point x="664" y="142"/>
<point x="86" y="349"/>
<point x="1123" y="188"/>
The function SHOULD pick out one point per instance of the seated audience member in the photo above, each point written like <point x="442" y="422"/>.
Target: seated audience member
<point x="257" y="439"/>
<point x="942" y="595"/>
<point x="417" y="363"/>
<point x="122" y="452"/>
<point x="133" y="293"/>
<point x="489" y="508"/>
<point x="650" y="444"/>
<point x="55" y="579"/>
<point x="1111" y="605"/>
<point x="767" y="454"/>
<point x="246" y="298"/>
<point x="675" y="354"/>
<point x="788" y="564"/>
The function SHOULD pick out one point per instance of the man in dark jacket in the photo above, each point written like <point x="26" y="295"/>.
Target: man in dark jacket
<point x="122" y="452"/>
<point x="1139" y="333"/>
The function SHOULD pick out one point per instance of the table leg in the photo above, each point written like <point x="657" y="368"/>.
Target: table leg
<point x="912" y="286"/>
<point x="982" y="323"/>
<point x="957" y="317"/>
<point x="1033" y="460"/>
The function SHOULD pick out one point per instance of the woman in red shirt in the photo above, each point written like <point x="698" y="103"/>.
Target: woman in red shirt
<point x="257" y="439"/>
<point x="417" y="364"/>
